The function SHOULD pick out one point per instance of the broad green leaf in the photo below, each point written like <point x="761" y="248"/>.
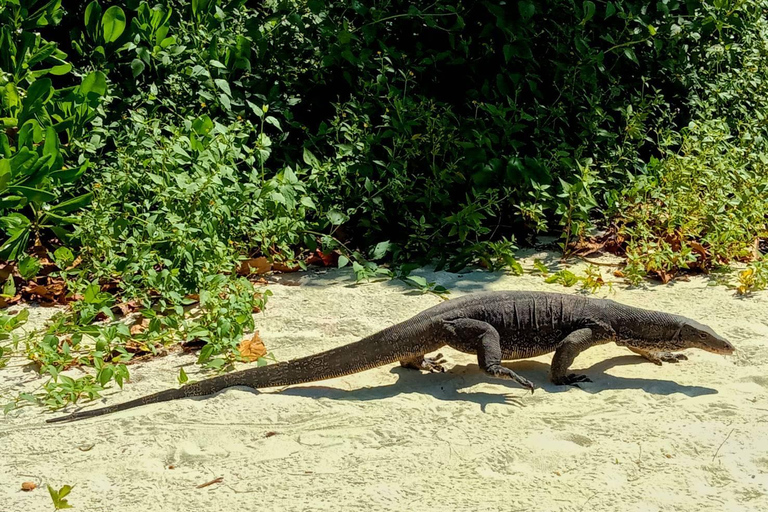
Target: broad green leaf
<point x="589" y="11"/>
<point x="380" y="250"/>
<point x="29" y="266"/>
<point x="526" y="9"/>
<point x="310" y="159"/>
<point x="336" y="217"/>
<point x="10" y="96"/>
<point x="92" y="15"/>
<point x="224" y="99"/>
<point x="71" y="205"/>
<point x="137" y="66"/>
<point x="223" y="85"/>
<point x="95" y="82"/>
<point x="113" y="23"/>
<point x="38" y="94"/>
<point x="61" y="69"/>
<point x="202" y="125"/>
<point x="63" y="257"/>
<point x="418" y="280"/>
<point x="51" y="147"/>
<point x="34" y="195"/>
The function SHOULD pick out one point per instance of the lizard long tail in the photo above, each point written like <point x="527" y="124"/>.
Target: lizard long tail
<point x="392" y="344"/>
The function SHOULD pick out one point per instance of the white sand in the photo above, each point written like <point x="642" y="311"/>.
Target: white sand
<point x="685" y="437"/>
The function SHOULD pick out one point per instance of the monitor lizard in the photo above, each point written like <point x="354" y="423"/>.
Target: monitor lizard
<point x="496" y="326"/>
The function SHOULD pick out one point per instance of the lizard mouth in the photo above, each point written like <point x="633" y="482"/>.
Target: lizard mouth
<point x="726" y="349"/>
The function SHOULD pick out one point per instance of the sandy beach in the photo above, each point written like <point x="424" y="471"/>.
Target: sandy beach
<point x="691" y="436"/>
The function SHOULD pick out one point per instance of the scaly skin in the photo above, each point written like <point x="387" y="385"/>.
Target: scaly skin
<point x="494" y="325"/>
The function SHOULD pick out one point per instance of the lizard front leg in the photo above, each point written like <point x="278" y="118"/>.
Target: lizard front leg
<point x="469" y="335"/>
<point x="566" y="352"/>
<point x="659" y="356"/>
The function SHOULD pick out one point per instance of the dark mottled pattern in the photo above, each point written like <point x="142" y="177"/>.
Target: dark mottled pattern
<point x="493" y="325"/>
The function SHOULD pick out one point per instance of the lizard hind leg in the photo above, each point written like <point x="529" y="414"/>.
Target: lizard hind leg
<point x="430" y="364"/>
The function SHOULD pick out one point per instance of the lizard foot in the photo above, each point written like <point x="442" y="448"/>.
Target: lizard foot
<point x="657" y="357"/>
<point x="430" y="364"/>
<point x="667" y="357"/>
<point x="572" y="379"/>
<point x="502" y="372"/>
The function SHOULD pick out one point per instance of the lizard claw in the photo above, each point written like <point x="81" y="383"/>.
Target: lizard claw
<point x="502" y="372"/>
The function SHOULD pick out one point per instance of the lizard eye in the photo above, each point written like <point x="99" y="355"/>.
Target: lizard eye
<point x="702" y="335"/>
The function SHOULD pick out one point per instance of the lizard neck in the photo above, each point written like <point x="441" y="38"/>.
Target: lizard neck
<point x="639" y="327"/>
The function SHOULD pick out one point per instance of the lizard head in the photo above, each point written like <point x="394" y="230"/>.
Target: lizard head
<point x="696" y="335"/>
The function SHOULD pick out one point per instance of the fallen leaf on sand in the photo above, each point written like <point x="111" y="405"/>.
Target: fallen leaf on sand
<point x="140" y="326"/>
<point x="282" y="267"/>
<point x="28" y="486"/>
<point x="253" y="348"/>
<point x="258" y="265"/>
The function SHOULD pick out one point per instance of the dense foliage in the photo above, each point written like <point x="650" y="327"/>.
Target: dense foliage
<point x="162" y="142"/>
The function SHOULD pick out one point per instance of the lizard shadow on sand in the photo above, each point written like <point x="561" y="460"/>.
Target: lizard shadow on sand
<point x="448" y="385"/>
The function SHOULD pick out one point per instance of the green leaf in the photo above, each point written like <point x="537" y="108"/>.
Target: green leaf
<point x="223" y="85"/>
<point x="183" y="378"/>
<point x="71" y="205"/>
<point x="418" y="281"/>
<point x="38" y="94"/>
<point x="343" y="261"/>
<point x="310" y="159"/>
<point x="61" y="69"/>
<point x="589" y="11"/>
<point x="526" y="9"/>
<point x="610" y="10"/>
<point x="51" y="148"/>
<point x="105" y="375"/>
<point x="380" y="250"/>
<point x="137" y="66"/>
<point x="336" y="217"/>
<point x="29" y="266"/>
<point x="113" y="23"/>
<point x="92" y="14"/>
<point x="202" y="125"/>
<point x="9" y="287"/>
<point x="205" y="354"/>
<point x="34" y="195"/>
<point x="224" y="99"/>
<point x="630" y="53"/>
<point x="94" y="83"/>
<point x="63" y="257"/>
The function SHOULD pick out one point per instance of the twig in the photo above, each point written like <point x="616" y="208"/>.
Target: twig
<point x="598" y="263"/>
<point x="588" y="500"/>
<point x="721" y="444"/>
<point x="217" y="480"/>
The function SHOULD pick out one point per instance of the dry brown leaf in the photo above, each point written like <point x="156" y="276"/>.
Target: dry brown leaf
<point x="28" y="486"/>
<point x="282" y="267"/>
<point x="75" y="263"/>
<point x="327" y="260"/>
<point x="253" y="348"/>
<point x="258" y="265"/>
<point x="664" y="276"/>
<point x="139" y="326"/>
<point x="126" y="308"/>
